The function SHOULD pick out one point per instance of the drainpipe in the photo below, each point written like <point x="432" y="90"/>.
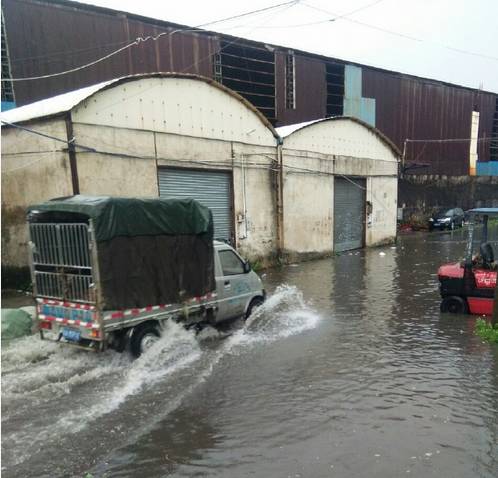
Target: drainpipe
<point x="280" y="200"/>
<point x="403" y="158"/>
<point x="72" y="154"/>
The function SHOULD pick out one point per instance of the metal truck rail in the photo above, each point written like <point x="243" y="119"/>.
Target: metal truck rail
<point x="61" y="261"/>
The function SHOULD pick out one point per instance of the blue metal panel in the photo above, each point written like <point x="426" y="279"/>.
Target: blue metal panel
<point x="7" y="105"/>
<point x="487" y="168"/>
<point x="352" y="81"/>
<point x="352" y="107"/>
<point x="367" y="110"/>
<point x="354" y="104"/>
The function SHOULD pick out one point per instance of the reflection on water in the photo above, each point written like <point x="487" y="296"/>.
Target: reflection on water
<point x="348" y="370"/>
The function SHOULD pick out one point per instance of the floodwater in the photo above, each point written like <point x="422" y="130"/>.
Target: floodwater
<point x="348" y="370"/>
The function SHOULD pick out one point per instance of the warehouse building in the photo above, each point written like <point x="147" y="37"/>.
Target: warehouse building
<point x="41" y="37"/>
<point x="351" y="202"/>
<point x="178" y="135"/>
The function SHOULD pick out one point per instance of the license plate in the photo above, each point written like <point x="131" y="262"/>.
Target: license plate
<point x="71" y="335"/>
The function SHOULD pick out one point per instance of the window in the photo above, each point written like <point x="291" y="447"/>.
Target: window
<point x="335" y="88"/>
<point x="217" y="71"/>
<point x="249" y="69"/>
<point x="230" y="263"/>
<point x="290" y="82"/>
<point x="7" y="90"/>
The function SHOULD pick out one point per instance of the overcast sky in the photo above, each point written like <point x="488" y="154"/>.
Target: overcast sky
<point x="437" y="29"/>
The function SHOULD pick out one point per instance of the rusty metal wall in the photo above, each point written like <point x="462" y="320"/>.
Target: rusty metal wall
<point x="415" y="108"/>
<point x="48" y="37"/>
<point x="310" y="77"/>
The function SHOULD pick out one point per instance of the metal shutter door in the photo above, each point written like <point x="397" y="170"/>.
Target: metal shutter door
<point x="349" y="214"/>
<point x="210" y="188"/>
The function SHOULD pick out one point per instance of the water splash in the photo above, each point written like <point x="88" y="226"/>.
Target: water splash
<point x="37" y="373"/>
<point x="285" y="313"/>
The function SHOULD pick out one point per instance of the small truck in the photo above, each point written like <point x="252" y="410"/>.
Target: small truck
<point x="108" y="272"/>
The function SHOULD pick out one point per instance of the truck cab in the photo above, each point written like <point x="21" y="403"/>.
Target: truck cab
<point x="239" y="289"/>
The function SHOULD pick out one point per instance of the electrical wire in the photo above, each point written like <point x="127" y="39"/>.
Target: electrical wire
<point x="401" y="35"/>
<point x="131" y="155"/>
<point x="449" y="140"/>
<point x="48" y="56"/>
<point x="44" y="135"/>
<point x="7" y="171"/>
<point x="26" y="153"/>
<point x="287" y="5"/>
<point x="299" y="25"/>
<point x="140" y="40"/>
<point x="346" y="18"/>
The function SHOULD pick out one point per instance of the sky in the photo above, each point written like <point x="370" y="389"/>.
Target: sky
<point x="449" y="40"/>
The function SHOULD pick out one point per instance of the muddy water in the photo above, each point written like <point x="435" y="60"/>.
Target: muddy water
<point x="348" y="370"/>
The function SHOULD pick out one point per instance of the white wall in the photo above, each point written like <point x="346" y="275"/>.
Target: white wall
<point x="382" y="192"/>
<point x="333" y="148"/>
<point x="136" y="175"/>
<point x="340" y="137"/>
<point x="308" y="201"/>
<point x="34" y="169"/>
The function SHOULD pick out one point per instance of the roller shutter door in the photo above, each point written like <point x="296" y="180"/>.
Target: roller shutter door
<point x="349" y="214"/>
<point x="210" y="188"/>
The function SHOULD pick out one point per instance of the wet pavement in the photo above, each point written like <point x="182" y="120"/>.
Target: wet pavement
<point x="348" y="370"/>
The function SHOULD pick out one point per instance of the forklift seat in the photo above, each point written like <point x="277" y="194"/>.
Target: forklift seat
<point x="487" y="254"/>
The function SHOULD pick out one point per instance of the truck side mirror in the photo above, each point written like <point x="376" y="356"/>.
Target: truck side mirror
<point x="247" y="267"/>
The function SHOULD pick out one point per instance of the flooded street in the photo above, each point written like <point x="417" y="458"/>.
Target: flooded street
<point x="348" y="370"/>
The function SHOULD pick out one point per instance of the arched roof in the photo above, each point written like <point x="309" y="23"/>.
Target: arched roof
<point x="60" y="104"/>
<point x="285" y="131"/>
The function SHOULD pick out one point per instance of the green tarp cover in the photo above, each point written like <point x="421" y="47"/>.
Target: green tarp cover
<point x="150" y="251"/>
<point x="119" y="216"/>
<point x="15" y="323"/>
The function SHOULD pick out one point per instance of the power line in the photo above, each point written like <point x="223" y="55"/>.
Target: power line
<point x="287" y="6"/>
<point x="401" y="35"/>
<point x="449" y="140"/>
<point x="337" y="17"/>
<point x="44" y="135"/>
<point x="345" y="17"/>
<point x="48" y="56"/>
<point x="140" y="40"/>
<point x="129" y="154"/>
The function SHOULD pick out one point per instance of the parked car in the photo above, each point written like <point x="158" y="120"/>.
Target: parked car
<point x="108" y="272"/>
<point x="447" y="219"/>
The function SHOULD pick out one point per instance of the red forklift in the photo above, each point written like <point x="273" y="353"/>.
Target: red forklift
<point x="469" y="286"/>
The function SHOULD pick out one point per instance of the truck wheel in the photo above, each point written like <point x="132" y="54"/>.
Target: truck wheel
<point x="143" y="338"/>
<point x="454" y="305"/>
<point x="255" y="303"/>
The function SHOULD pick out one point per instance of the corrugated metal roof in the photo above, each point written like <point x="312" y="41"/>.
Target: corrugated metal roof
<point x="284" y="131"/>
<point x="67" y="101"/>
<point x="52" y="106"/>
